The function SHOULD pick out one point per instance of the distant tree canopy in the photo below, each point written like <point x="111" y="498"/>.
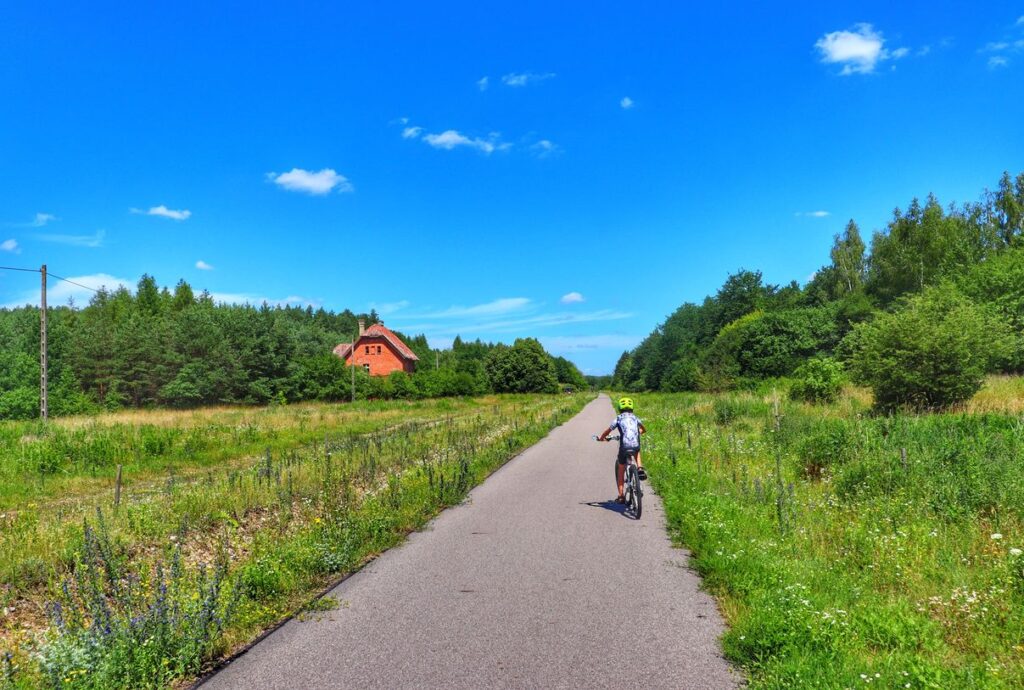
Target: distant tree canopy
<point x="751" y="330"/>
<point x="175" y="348"/>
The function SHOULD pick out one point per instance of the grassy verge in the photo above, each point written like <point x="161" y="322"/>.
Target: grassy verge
<point x="848" y="550"/>
<point x="148" y="595"/>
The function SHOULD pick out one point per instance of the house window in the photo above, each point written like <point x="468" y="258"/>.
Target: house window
<point x="367" y="368"/>
<point x="367" y="349"/>
<point x="378" y="349"/>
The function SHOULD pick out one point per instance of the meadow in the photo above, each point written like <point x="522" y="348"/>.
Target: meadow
<point x="228" y="520"/>
<point x="850" y="549"/>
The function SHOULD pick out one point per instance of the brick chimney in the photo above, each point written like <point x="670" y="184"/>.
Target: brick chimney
<point x="362" y="327"/>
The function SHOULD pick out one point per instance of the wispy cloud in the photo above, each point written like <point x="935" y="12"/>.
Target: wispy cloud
<point x="452" y="139"/>
<point x="482" y="83"/>
<point x="309" y="182"/>
<point x="92" y="241"/>
<point x="203" y="266"/>
<point x="858" y="50"/>
<point x="545" y="148"/>
<point x="626" y="103"/>
<point x="997" y="61"/>
<point x="256" y="300"/>
<point x="385" y="308"/>
<point x="509" y="315"/>
<point x="1020" y="21"/>
<point x="10" y="246"/>
<point x="572" y="298"/>
<point x="164" y="212"/>
<point x="62" y="292"/>
<point x="812" y="214"/>
<point x="517" y="79"/>
<point x="411" y="132"/>
<point x="498" y="307"/>
<point x="38" y="221"/>
<point x="564" y="344"/>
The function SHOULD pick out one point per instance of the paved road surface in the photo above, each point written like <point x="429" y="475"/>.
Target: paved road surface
<point x="526" y="585"/>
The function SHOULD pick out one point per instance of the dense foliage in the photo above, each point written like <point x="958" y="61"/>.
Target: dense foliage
<point x="750" y="330"/>
<point x="932" y="353"/>
<point x="174" y="348"/>
<point x="818" y="380"/>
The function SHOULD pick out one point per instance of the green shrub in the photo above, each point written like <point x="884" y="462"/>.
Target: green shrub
<point x="932" y="353"/>
<point x="818" y="380"/>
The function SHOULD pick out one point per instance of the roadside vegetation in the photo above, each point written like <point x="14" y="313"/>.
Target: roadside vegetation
<point x="849" y="548"/>
<point x="921" y="316"/>
<point x="229" y="520"/>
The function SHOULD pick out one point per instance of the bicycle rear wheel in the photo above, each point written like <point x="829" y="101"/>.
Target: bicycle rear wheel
<point x="637" y="494"/>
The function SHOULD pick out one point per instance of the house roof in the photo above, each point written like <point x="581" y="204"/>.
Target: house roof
<point x="378" y="330"/>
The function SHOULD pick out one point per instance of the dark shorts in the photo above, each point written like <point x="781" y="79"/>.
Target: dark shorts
<point x="624" y="454"/>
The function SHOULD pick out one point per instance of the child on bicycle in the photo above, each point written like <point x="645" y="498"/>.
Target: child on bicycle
<point x="630" y="427"/>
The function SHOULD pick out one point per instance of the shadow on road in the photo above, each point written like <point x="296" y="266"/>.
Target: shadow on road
<point x="611" y="505"/>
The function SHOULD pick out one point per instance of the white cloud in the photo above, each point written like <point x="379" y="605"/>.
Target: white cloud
<point x="203" y="266"/>
<point x="995" y="46"/>
<point x="411" y="132"/>
<point x="924" y="50"/>
<point x="1020" y="20"/>
<point x="571" y="298"/>
<point x="316" y="183"/>
<point x="483" y="82"/>
<point x="42" y="219"/>
<point x="10" y="246"/>
<point x="451" y="139"/>
<point x="164" y="212"/>
<point x="92" y="241"/>
<point x="997" y="61"/>
<point x="525" y="78"/>
<point x="812" y="214"/>
<point x="59" y="292"/>
<point x="858" y="50"/>
<point x="626" y="103"/>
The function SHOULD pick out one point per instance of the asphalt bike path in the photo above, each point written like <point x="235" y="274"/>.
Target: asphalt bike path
<point x="539" y="580"/>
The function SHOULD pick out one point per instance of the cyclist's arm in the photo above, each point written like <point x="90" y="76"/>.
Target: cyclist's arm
<point x="643" y="429"/>
<point x="604" y="435"/>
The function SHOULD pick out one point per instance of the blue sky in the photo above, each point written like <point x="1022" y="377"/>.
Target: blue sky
<point x="570" y="171"/>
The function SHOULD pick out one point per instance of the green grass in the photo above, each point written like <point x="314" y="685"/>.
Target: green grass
<point x="836" y="562"/>
<point x="189" y="569"/>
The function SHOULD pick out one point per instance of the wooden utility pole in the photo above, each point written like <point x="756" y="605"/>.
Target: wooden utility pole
<point x="43" y="407"/>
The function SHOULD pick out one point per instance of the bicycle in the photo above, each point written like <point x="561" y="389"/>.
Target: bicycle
<point x="632" y="488"/>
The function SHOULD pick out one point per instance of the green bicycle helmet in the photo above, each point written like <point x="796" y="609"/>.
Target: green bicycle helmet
<point x="625" y="404"/>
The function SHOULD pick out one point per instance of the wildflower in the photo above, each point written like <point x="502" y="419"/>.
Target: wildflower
<point x="996" y="536"/>
<point x="1015" y="551"/>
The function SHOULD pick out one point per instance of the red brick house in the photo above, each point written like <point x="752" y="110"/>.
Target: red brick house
<point x="378" y="351"/>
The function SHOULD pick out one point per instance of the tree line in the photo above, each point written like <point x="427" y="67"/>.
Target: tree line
<point x="938" y="295"/>
<point x="176" y="348"/>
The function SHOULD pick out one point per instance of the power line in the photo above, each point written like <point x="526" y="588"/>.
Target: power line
<point x="26" y="270"/>
<point x="86" y="287"/>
